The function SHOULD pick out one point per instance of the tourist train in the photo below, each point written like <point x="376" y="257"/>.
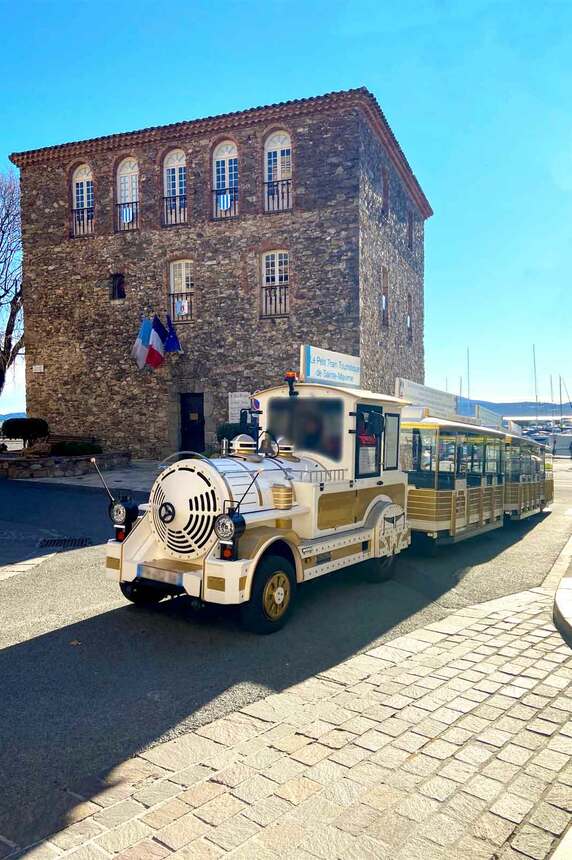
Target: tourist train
<point x="322" y="478"/>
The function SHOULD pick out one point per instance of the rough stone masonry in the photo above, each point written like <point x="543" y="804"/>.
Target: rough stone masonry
<point x="356" y="223"/>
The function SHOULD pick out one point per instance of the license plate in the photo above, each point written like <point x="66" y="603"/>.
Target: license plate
<point x="168" y="576"/>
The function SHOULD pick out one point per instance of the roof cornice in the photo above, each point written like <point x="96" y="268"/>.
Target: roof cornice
<point x="360" y="98"/>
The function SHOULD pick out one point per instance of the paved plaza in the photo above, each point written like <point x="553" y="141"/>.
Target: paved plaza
<point x="453" y="741"/>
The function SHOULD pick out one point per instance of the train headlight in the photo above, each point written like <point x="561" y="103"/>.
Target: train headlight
<point x="118" y="513"/>
<point x="229" y="527"/>
<point x="225" y="527"/>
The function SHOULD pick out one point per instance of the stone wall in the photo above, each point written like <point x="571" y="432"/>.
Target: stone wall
<point x="12" y="466"/>
<point x="91" y="386"/>
<point x="388" y="351"/>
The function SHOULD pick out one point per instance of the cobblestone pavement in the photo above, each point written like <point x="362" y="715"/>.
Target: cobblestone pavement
<point x="451" y="742"/>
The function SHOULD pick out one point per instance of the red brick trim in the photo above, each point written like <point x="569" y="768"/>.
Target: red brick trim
<point x="277" y="113"/>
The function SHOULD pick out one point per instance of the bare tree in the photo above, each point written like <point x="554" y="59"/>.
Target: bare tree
<point x="11" y="318"/>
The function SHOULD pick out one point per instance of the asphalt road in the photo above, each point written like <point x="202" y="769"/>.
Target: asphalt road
<point x="87" y="680"/>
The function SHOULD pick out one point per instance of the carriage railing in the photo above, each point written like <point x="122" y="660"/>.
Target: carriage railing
<point x="318" y="476"/>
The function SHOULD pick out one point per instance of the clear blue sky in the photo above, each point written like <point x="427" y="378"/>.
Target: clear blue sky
<point x="479" y="95"/>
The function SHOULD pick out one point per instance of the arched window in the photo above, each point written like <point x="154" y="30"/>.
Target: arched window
<point x="278" y="172"/>
<point x="275" y="283"/>
<point x="225" y="180"/>
<point x="83" y="200"/>
<point x="181" y="290"/>
<point x="128" y="194"/>
<point x="175" y="188"/>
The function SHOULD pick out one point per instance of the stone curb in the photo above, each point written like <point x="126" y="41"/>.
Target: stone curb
<point x="563" y="609"/>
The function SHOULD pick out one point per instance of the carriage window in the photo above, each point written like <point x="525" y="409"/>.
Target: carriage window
<point x="311" y="424"/>
<point x="493" y="457"/>
<point x="369" y="430"/>
<point x="423" y="450"/>
<point x="476" y="455"/>
<point x="447" y="449"/>
<point x="391" y="442"/>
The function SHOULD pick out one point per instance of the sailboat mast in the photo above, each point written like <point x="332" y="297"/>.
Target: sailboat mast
<point x="468" y="377"/>
<point x="535" y="385"/>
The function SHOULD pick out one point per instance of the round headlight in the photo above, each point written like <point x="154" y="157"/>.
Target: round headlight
<point x="224" y="527"/>
<point x="118" y="513"/>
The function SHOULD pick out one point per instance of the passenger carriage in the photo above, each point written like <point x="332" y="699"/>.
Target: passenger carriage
<point x="529" y="486"/>
<point x="456" y="476"/>
<point x="318" y="490"/>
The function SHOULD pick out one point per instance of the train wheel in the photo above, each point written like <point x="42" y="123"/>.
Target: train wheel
<point x="272" y="597"/>
<point x="379" y="569"/>
<point x="141" y="595"/>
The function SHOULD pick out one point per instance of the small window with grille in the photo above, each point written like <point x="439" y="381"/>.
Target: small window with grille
<point x="275" y="283"/>
<point x="181" y="291"/>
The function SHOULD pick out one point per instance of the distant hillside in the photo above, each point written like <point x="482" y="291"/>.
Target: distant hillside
<point x="526" y="407"/>
<point x="12" y="415"/>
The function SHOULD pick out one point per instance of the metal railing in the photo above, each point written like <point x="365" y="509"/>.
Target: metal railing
<point x="83" y="221"/>
<point x="318" y="476"/>
<point x="181" y="306"/>
<point x="278" y="195"/>
<point x="274" y="301"/>
<point x="225" y="202"/>
<point x="174" y="210"/>
<point x="127" y="215"/>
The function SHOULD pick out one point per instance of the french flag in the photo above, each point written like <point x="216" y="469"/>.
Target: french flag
<point x="157" y="339"/>
<point x="141" y="345"/>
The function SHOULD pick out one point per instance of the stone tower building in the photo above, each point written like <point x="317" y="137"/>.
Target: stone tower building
<point x="258" y="231"/>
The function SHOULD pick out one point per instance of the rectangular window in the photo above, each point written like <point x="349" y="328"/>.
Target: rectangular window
<point x="181" y="291"/>
<point x="410" y="230"/>
<point x="368" y="441"/>
<point x="275" y="284"/>
<point x="385" y="296"/>
<point x="391" y="441"/>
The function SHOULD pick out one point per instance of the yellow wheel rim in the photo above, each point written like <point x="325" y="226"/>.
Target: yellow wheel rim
<point x="276" y="595"/>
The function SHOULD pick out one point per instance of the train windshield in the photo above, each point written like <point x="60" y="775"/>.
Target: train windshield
<point x="313" y="424"/>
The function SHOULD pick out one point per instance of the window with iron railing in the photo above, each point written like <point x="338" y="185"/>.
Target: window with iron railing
<point x="225" y="180"/>
<point x="175" y="189"/>
<point x="275" y="300"/>
<point x="127" y="206"/>
<point x="278" y="175"/>
<point x="181" y="291"/>
<point x="83" y="202"/>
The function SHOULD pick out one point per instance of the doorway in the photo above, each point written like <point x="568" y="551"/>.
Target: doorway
<point x="192" y="422"/>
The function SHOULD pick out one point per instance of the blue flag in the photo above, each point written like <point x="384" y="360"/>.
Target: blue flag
<point x="172" y="341"/>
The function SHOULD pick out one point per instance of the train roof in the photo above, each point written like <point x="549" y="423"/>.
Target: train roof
<point x="356" y="393"/>
<point x="433" y="422"/>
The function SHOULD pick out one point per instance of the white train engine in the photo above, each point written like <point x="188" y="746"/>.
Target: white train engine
<point x="323" y="490"/>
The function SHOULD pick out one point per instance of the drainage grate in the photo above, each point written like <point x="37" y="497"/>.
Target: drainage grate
<point x="64" y="543"/>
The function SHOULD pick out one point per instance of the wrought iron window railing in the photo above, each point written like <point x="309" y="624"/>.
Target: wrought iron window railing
<point x="127" y="215"/>
<point x="82" y="220"/>
<point x="174" y="210"/>
<point x="274" y="301"/>
<point x="181" y="306"/>
<point x="278" y="195"/>
<point x="225" y="202"/>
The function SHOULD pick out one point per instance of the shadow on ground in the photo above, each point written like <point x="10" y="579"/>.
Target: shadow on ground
<point x="80" y="700"/>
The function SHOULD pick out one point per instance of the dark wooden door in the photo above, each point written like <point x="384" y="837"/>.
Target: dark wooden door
<point x="192" y="422"/>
